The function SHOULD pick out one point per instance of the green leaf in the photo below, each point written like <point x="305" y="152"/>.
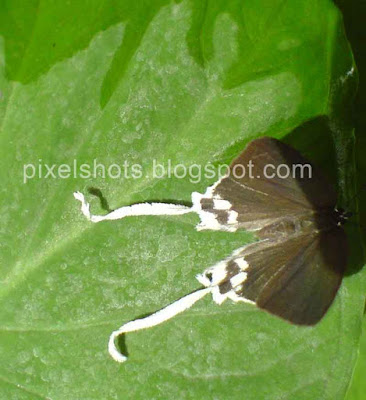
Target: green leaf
<point x="357" y="389"/>
<point x="186" y="81"/>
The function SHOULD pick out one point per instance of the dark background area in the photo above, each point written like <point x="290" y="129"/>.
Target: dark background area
<point x="354" y="12"/>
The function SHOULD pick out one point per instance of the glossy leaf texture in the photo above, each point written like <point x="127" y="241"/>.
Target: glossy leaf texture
<point x="135" y="81"/>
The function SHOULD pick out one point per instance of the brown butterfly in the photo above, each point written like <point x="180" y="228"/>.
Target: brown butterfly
<point x="296" y="267"/>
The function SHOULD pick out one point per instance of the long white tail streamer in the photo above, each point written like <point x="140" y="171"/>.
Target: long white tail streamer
<point x="178" y="306"/>
<point x="132" y="211"/>
<point x="157" y="318"/>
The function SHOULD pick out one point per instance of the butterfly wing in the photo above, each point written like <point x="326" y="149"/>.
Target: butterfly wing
<point x="266" y="193"/>
<point x="296" y="279"/>
<point x="296" y="270"/>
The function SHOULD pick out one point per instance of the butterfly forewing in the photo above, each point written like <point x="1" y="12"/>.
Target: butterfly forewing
<point x="263" y="196"/>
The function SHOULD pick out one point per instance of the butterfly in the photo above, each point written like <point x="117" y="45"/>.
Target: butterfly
<point x="295" y="268"/>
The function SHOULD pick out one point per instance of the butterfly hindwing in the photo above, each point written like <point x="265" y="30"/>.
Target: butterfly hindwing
<point x="304" y="288"/>
<point x="295" y="279"/>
